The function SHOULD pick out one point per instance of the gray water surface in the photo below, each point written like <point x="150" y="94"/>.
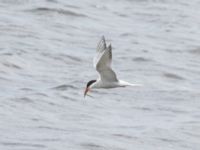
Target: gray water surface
<point x="46" y="52"/>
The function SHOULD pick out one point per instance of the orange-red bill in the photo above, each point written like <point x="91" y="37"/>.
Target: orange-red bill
<point x="86" y="90"/>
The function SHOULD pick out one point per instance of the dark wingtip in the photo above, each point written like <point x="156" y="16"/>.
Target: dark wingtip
<point x="109" y="46"/>
<point x="103" y="38"/>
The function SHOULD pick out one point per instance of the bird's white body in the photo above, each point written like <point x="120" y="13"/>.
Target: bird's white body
<point x="120" y="83"/>
<point x="99" y="84"/>
<point x="102" y="63"/>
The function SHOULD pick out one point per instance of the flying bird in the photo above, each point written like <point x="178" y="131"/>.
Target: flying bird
<point x="102" y="63"/>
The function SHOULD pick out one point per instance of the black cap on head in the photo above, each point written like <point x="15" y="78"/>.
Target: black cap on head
<point x="90" y="82"/>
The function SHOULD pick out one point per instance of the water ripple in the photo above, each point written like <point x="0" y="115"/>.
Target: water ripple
<point x="46" y="10"/>
<point x="23" y="144"/>
<point x="173" y="76"/>
<point x="64" y="87"/>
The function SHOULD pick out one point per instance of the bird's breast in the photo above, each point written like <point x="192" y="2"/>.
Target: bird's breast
<point x="105" y="84"/>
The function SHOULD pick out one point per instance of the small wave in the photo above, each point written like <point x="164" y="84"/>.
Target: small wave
<point x="195" y="51"/>
<point x="51" y="128"/>
<point x="24" y="100"/>
<point x="7" y="54"/>
<point x="167" y="140"/>
<point x="92" y="146"/>
<point x="65" y="58"/>
<point x="126" y="34"/>
<point x="64" y="87"/>
<point x="56" y="10"/>
<point x="68" y="98"/>
<point x="26" y="89"/>
<point x="73" y="58"/>
<point x="123" y="136"/>
<point x="49" y="139"/>
<point x="4" y="79"/>
<point x="52" y="1"/>
<point x="141" y="59"/>
<point x="41" y="94"/>
<point x="11" y="65"/>
<point x="142" y="108"/>
<point x="173" y="76"/>
<point x="121" y="14"/>
<point x="72" y="6"/>
<point x="22" y="144"/>
<point x="172" y="110"/>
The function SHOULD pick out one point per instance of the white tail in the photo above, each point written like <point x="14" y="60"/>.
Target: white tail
<point x="124" y="83"/>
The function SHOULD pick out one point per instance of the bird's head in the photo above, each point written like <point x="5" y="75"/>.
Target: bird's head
<point x="89" y="86"/>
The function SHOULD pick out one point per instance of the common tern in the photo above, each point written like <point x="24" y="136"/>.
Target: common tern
<point x="102" y="63"/>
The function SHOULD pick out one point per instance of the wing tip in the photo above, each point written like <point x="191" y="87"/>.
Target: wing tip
<point x="110" y="46"/>
<point x="102" y="44"/>
<point x="103" y="37"/>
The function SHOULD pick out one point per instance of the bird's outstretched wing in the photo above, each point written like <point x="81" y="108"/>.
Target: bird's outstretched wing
<point x="102" y="62"/>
